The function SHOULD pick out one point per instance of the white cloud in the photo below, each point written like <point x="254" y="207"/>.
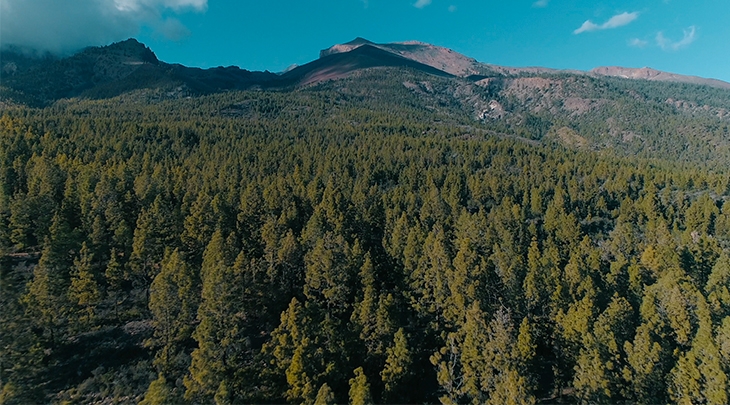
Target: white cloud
<point x="619" y="20"/>
<point x="540" y="3"/>
<point x="62" y="27"/>
<point x="136" y="5"/>
<point x="690" y="35"/>
<point x="421" y="3"/>
<point x="638" y="43"/>
<point x="452" y="8"/>
<point x="587" y="26"/>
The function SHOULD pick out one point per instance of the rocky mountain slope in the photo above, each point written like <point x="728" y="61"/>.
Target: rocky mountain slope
<point x="435" y="56"/>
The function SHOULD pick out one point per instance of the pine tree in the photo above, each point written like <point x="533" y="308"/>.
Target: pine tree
<point x="84" y="289"/>
<point x="115" y="277"/>
<point x="372" y="313"/>
<point x="285" y="339"/>
<point x="331" y="273"/>
<point x="173" y="303"/>
<point x="20" y="224"/>
<point x="486" y="363"/>
<point x="717" y="287"/>
<point x="156" y="230"/>
<point x="644" y="372"/>
<point x="199" y="226"/>
<point x="398" y="368"/>
<point x="325" y="396"/>
<point x="360" y="389"/>
<point x="159" y="393"/>
<point x="698" y="376"/>
<point x="217" y="316"/>
<point x="430" y="282"/>
<point x="598" y="366"/>
<point x="47" y="297"/>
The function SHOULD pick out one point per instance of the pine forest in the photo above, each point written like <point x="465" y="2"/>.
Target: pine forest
<point x="365" y="240"/>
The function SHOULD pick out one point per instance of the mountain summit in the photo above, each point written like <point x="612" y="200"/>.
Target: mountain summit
<point x="337" y="64"/>
<point x="441" y="58"/>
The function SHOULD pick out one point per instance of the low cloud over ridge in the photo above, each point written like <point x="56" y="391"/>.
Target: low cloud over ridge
<point x="61" y="27"/>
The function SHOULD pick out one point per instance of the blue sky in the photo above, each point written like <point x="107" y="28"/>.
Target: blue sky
<point x="680" y="36"/>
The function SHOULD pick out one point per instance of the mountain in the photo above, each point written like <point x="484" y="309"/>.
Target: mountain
<point x="460" y="65"/>
<point x="435" y="56"/>
<point x="42" y="80"/>
<point x="336" y="65"/>
<point x="628" y="111"/>
<point x="128" y="66"/>
<point x="440" y="58"/>
<point x="103" y="72"/>
<point x="646" y="73"/>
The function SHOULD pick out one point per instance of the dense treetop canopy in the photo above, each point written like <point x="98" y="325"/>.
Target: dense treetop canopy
<point x="360" y="241"/>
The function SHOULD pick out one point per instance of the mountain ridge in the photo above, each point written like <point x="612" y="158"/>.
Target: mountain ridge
<point x="121" y="67"/>
<point x="647" y="73"/>
<point x="461" y="65"/>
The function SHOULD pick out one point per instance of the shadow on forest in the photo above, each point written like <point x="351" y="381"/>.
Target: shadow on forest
<point x="90" y="354"/>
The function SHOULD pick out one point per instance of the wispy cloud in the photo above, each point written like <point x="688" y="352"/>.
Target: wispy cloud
<point x="421" y="3"/>
<point x="619" y="20"/>
<point x="452" y="8"/>
<point x="638" y="43"/>
<point x="137" y="5"/>
<point x="541" y="3"/>
<point x="690" y="35"/>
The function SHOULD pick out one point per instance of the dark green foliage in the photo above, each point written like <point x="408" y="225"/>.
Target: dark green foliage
<point x="345" y="243"/>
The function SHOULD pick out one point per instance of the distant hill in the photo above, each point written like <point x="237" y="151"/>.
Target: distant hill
<point x="657" y="75"/>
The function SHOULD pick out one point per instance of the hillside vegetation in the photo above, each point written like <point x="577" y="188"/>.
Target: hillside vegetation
<point x="371" y="239"/>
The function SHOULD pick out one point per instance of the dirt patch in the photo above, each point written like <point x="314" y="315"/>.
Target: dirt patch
<point x="579" y="106"/>
<point x="568" y="136"/>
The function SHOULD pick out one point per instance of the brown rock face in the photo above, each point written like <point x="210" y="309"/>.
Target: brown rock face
<point x="435" y="56"/>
